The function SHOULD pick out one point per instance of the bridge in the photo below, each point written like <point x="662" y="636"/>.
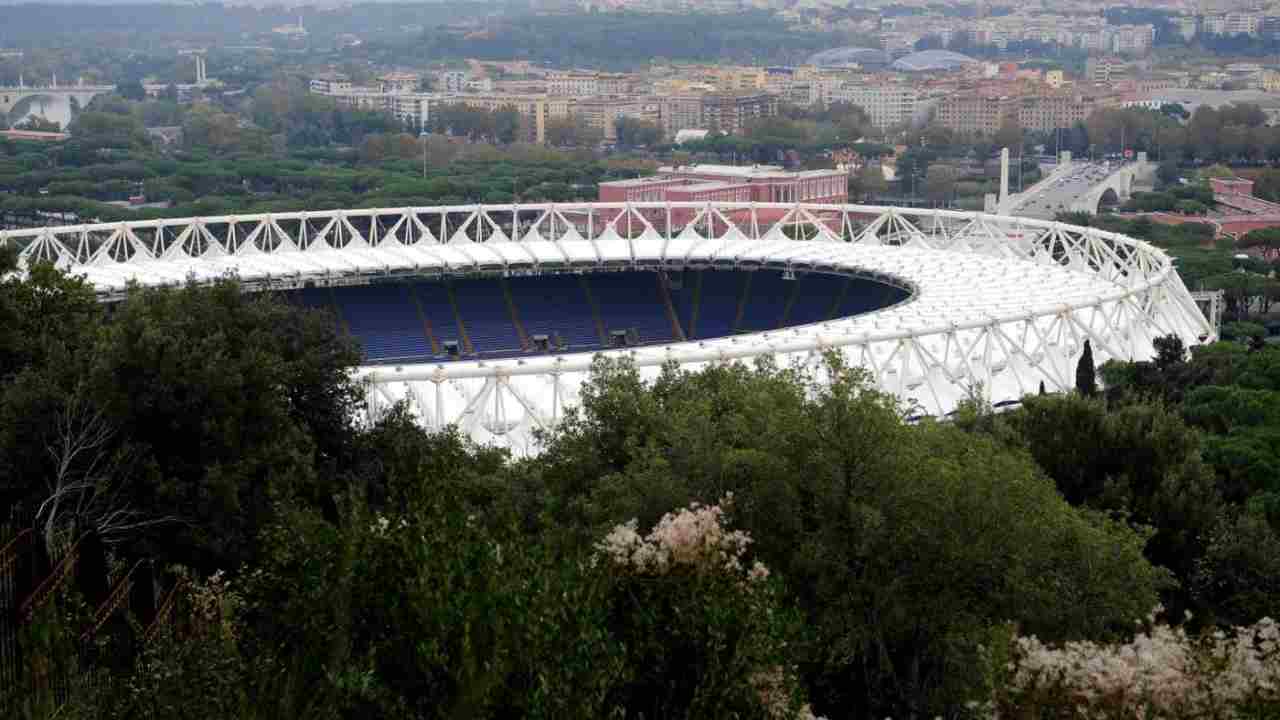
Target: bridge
<point x="11" y="96"/>
<point x="1115" y="187"/>
<point x="1079" y="186"/>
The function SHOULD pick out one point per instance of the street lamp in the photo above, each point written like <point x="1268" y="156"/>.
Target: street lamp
<point x="423" y="136"/>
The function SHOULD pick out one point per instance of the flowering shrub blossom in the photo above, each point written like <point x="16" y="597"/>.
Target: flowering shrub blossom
<point x="1162" y="672"/>
<point x="214" y="606"/>
<point x="693" y="538"/>
<point x="695" y="541"/>
<point x="776" y="696"/>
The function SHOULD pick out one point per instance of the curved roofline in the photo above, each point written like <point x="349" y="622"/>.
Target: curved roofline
<point x="1000" y="303"/>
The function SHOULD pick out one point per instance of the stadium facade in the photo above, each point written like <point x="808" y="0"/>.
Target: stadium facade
<point x="489" y="317"/>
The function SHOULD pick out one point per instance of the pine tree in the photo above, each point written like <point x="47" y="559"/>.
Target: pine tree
<point x="1086" y="374"/>
<point x="1042" y="392"/>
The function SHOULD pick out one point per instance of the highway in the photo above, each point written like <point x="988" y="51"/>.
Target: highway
<point x="1056" y="196"/>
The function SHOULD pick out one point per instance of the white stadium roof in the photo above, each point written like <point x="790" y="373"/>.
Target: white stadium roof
<point x="997" y="304"/>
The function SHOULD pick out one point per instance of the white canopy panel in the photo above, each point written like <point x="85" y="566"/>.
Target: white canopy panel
<point x="997" y="306"/>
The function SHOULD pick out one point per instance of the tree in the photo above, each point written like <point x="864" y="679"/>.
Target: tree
<point x="1238" y="575"/>
<point x="506" y="125"/>
<point x="1170" y="352"/>
<point x="210" y="129"/>
<point x="1167" y="172"/>
<point x="940" y="182"/>
<point x="1086" y="375"/>
<point x="885" y="526"/>
<point x="223" y="403"/>
<point x="1267" y="239"/>
<point x="913" y="167"/>
<point x="1010" y="136"/>
<point x="868" y="181"/>
<point x="571" y="131"/>
<point x="632" y="132"/>
<point x="131" y="90"/>
<point x="1140" y="459"/>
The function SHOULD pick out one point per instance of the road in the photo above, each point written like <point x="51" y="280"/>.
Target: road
<point x="1057" y="196"/>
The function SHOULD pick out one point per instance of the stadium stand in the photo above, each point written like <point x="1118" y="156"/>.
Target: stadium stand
<point x="632" y="300"/>
<point x="435" y="306"/>
<point x="718" y="305"/>
<point x="484" y="312"/>
<point x="420" y="320"/>
<point x="384" y="320"/>
<point x="554" y="305"/>
<point x="815" y="300"/>
<point x="768" y="299"/>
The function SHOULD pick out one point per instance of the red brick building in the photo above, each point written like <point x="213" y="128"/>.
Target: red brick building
<point x="729" y="183"/>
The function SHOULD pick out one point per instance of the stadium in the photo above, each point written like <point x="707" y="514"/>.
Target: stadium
<point x="489" y="317"/>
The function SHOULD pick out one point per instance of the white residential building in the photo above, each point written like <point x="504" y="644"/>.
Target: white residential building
<point x="886" y="105"/>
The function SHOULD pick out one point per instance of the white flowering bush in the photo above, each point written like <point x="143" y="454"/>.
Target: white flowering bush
<point x="693" y="539"/>
<point x="707" y="632"/>
<point x="1163" y="672"/>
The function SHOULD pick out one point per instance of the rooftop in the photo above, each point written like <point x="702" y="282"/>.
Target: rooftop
<point x="708" y="186"/>
<point x="632" y="182"/>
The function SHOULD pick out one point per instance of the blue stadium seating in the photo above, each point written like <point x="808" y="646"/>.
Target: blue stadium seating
<point x="386" y="319"/>
<point x="768" y="299"/>
<point x="484" y="310"/>
<point x="434" y="300"/>
<point x="682" y="297"/>
<point x="719" y="306"/>
<point x="631" y="300"/>
<point x="867" y="295"/>
<point x="817" y="293"/>
<point x="555" y="304"/>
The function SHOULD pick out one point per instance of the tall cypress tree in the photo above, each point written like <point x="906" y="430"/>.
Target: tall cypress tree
<point x="1086" y="374"/>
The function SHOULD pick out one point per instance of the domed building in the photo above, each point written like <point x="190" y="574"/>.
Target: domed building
<point x="847" y="56"/>
<point x="935" y="60"/>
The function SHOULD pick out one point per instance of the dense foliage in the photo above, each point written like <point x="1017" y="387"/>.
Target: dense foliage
<point x="737" y="540"/>
<point x="621" y="40"/>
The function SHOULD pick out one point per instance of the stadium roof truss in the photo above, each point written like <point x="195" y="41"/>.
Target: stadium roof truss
<point x="997" y="305"/>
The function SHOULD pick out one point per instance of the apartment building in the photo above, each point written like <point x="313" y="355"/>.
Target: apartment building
<point x="736" y="79"/>
<point x="1105" y="70"/>
<point x="330" y="84"/>
<point x="975" y="113"/>
<point x="1049" y="112"/>
<point x="886" y="105"/>
<point x="731" y="113"/>
<point x="573" y="84"/>
<point x="1232" y="23"/>
<point x="603" y="113"/>
<point x="679" y="112"/>
<point x="398" y="83"/>
<point x="453" y="81"/>
<point x="536" y="110"/>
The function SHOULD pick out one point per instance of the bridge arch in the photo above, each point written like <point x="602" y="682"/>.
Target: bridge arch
<point x="1108" y="198"/>
<point x="11" y="97"/>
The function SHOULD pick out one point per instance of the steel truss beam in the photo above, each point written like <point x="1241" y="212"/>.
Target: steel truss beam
<point x="998" y="304"/>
